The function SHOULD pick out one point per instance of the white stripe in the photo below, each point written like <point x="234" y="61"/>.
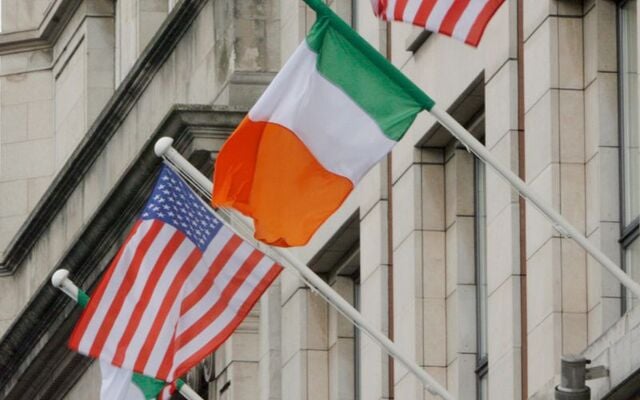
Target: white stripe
<point x="165" y="338"/>
<point x="230" y="312"/>
<point x="112" y="287"/>
<point x="169" y="328"/>
<point x="219" y="285"/>
<point x="391" y="9"/>
<point x="468" y="18"/>
<point x="148" y="262"/>
<point x="437" y="15"/>
<point x="342" y="137"/>
<point x="158" y="295"/>
<point x="411" y="10"/>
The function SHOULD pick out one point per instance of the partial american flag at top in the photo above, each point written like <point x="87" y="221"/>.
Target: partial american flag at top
<point x="464" y="20"/>
<point x="180" y="285"/>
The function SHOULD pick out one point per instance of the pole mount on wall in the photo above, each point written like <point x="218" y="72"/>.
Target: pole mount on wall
<point x="574" y="374"/>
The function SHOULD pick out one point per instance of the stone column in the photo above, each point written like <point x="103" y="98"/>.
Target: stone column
<point x="305" y="356"/>
<point x="502" y="218"/>
<point x="374" y="283"/>
<point x="555" y="169"/>
<point x="460" y="273"/>
<point x="270" y="364"/>
<point x="236" y="361"/>
<point x="419" y="271"/>
<point x="601" y="161"/>
<point x="341" y="342"/>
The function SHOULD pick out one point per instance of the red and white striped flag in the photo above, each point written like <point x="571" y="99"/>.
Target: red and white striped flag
<point x="178" y="288"/>
<point x="464" y="20"/>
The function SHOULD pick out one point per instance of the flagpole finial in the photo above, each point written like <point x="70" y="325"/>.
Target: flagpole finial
<point x="162" y="145"/>
<point x="59" y="277"/>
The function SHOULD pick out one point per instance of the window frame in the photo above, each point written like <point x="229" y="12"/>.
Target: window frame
<point x="629" y="232"/>
<point x="482" y="359"/>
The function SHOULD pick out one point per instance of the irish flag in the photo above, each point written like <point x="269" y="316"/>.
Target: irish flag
<point x="335" y="109"/>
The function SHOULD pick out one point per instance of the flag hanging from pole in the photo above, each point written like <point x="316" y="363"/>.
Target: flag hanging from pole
<point x="119" y="383"/>
<point x="333" y="111"/>
<point x="177" y="289"/>
<point x="464" y="20"/>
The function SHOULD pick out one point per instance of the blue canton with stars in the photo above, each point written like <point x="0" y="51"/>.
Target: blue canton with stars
<point x="174" y="203"/>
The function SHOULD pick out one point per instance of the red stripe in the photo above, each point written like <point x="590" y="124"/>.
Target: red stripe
<point x="125" y="288"/>
<point x="163" y="312"/>
<point x="379" y="7"/>
<point x="167" y="360"/>
<point x="218" y="264"/>
<point x="424" y="11"/>
<point x="145" y="297"/>
<point x="453" y="16"/>
<point x="96" y="297"/>
<point x="225" y="297"/>
<point x="401" y="5"/>
<point x="475" y="34"/>
<point x="382" y="9"/>
<point x="233" y="324"/>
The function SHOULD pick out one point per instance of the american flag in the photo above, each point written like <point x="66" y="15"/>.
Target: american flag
<point x="177" y="289"/>
<point x="464" y="20"/>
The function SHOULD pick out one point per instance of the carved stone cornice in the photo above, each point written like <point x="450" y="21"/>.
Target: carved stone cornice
<point x="34" y="360"/>
<point x="100" y="132"/>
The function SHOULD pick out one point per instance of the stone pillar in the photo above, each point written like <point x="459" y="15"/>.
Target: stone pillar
<point x="601" y="161"/>
<point x="236" y="361"/>
<point x="555" y="169"/>
<point x="341" y="342"/>
<point x="374" y="270"/>
<point x="418" y="258"/>
<point x="502" y="209"/>
<point x="460" y="273"/>
<point x="305" y="356"/>
<point x="270" y="364"/>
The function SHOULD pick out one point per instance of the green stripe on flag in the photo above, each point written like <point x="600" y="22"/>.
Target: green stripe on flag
<point x="150" y="387"/>
<point x="340" y="62"/>
<point x="372" y="82"/>
<point x="83" y="299"/>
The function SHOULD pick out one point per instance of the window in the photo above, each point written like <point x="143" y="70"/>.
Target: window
<point x="629" y="137"/>
<point x="482" y="366"/>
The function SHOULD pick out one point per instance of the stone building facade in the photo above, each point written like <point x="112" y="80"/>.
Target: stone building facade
<point x="433" y="248"/>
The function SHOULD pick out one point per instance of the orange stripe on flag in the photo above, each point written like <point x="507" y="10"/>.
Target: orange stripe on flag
<point x="267" y="173"/>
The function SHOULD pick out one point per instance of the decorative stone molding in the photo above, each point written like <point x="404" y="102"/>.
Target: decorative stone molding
<point x="95" y="140"/>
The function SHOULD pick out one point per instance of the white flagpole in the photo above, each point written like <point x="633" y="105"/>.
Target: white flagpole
<point x="163" y="148"/>
<point x="60" y="279"/>
<point x="559" y="222"/>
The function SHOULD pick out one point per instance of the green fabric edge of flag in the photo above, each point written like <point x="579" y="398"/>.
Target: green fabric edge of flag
<point x="341" y="63"/>
<point x="359" y="43"/>
<point x="149" y="386"/>
<point x="83" y="299"/>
